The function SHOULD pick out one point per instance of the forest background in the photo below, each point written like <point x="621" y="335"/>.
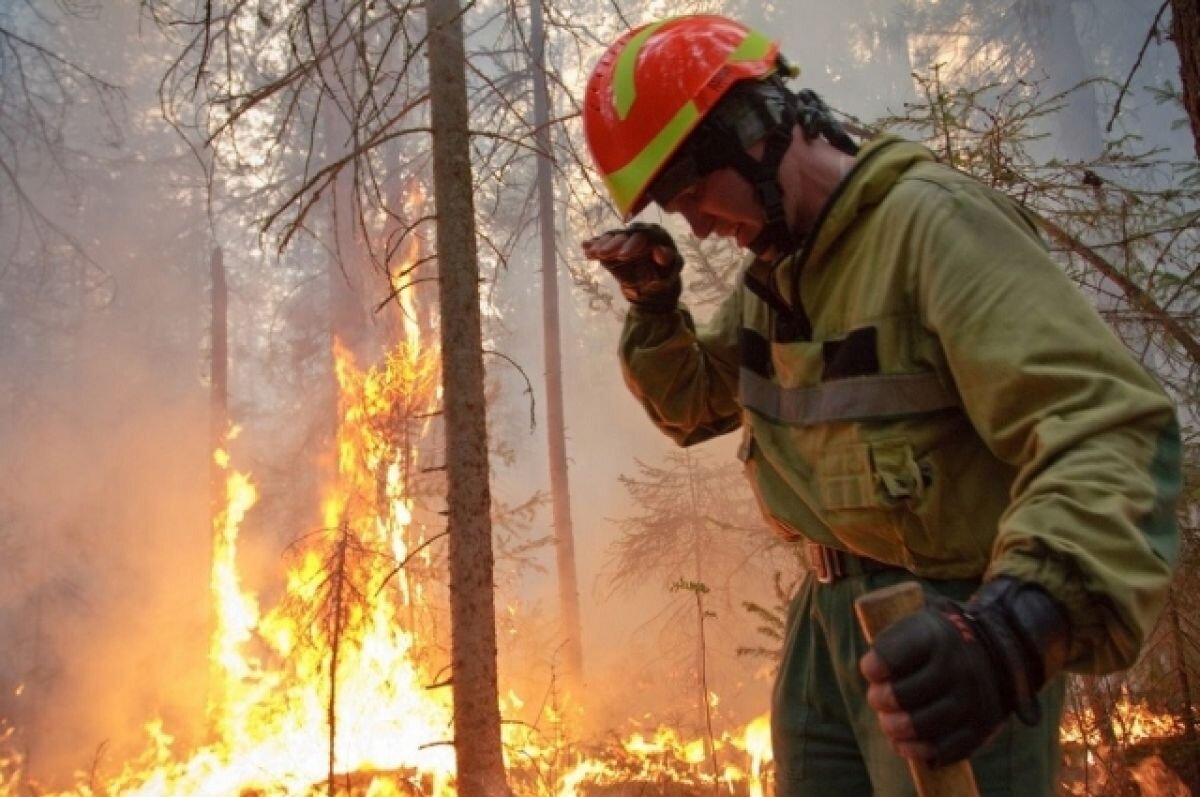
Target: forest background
<point x="161" y="159"/>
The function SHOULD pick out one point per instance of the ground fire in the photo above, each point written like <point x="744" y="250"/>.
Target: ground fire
<point x="329" y="691"/>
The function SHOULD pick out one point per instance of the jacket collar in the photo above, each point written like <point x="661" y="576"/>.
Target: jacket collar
<point x="877" y="168"/>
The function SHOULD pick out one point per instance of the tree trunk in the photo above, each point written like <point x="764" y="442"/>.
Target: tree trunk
<point x="472" y="607"/>
<point x="1050" y="28"/>
<point x="1185" y="31"/>
<point x="348" y="316"/>
<point x="560" y="492"/>
<point x="218" y="425"/>
<point x="1190" y="731"/>
<point x="218" y="417"/>
<point x="889" y="63"/>
<point x="698" y="548"/>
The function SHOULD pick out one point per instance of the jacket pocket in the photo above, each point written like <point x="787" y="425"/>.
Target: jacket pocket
<point x="882" y="475"/>
<point x="868" y="494"/>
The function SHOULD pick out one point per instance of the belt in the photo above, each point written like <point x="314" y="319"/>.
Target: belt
<point x="833" y="564"/>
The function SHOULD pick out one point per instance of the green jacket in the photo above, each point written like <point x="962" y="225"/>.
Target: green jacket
<point x="924" y="386"/>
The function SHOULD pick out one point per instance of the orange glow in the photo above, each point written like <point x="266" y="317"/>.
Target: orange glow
<point x="271" y="709"/>
<point x="273" y="683"/>
<point x="1131" y="722"/>
<point x="757" y="743"/>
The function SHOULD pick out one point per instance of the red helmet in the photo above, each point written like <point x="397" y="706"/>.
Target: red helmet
<point x="654" y="85"/>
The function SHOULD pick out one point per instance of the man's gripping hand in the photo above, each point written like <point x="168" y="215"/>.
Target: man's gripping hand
<point x="645" y="262"/>
<point x="942" y="680"/>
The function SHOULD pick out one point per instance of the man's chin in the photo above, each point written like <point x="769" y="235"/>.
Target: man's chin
<point x="745" y="239"/>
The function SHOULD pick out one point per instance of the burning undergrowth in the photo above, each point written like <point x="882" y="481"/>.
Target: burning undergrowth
<point x="339" y="688"/>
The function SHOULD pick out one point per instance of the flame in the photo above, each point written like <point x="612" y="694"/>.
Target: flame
<point x="277" y="687"/>
<point x="1132" y="722"/>
<point x="757" y="742"/>
<point x="1088" y="741"/>
<point x="336" y="675"/>
<point x="401" y="278"/>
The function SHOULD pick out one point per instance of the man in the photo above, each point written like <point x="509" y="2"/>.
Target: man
<point x="922" y="395"/>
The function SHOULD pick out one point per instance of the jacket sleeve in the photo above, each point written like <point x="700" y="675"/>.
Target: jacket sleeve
<point x="1053" y="392"/>
<point x="686" y="378"/>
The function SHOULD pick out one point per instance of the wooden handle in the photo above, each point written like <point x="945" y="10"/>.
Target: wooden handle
<point x="876" y="611"/>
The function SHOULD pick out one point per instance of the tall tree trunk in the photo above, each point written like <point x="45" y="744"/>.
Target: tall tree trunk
<point x="218" y="423"/>
<point x="338" y="588"/>
<point x="348" y="315"/>
<point x="698" y="547"/>
<point x="1050" y="28"/>
<point x="888" y="62"/>
<point x="218" y="415"/>
<point x="472" y="604"/>
<point x="1185" y="31"/>
<point x="560" y="491"/>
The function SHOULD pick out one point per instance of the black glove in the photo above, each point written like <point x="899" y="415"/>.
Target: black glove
<point x="960" y="670"/>
<point x="644" y="282"/>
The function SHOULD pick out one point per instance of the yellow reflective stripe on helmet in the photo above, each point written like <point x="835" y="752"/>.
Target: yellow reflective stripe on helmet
<point x="752" y="48"/>
<point x="628" y="182"/>
<point x="624" y="78"/>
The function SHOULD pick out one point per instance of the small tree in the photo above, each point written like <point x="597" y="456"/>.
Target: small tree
<point x="697" y="529"/>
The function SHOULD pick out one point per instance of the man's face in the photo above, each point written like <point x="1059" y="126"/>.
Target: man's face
<point x="720" y="203"/>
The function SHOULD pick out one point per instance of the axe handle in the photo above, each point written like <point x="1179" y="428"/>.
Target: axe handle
<point x="876" y="611"/>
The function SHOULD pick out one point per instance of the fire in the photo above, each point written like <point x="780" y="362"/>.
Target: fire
<point x="758" y="744"/>
<point x="328" y="670"/>
<point x="646" y="760"/>
<point x="1131" y="721"/>
<point x="1098" y="749"/>
<point x="336" y="678"/>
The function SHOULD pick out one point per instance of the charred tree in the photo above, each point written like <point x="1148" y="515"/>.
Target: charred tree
<point x="1185" y="31"/>
<point x="338" y="587"/>
<point x="472" y="602"/>
<point x="560" y="491"/>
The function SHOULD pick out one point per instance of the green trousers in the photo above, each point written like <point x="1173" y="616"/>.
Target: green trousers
<point x="828" y="742"/>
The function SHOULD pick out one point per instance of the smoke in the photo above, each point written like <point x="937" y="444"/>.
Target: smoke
<point x="105" y="541"/>
<point x="104" y="449"/>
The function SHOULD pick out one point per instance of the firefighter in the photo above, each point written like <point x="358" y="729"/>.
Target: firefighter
<point x="921" y="394"/>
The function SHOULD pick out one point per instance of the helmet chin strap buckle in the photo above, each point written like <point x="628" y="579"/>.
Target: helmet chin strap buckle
<point x="770" y="194"/>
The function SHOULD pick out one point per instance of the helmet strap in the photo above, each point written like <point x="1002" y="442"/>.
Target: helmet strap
<point x="763" y="175"/>
<point x="773" y="117"/>
<point x="814" y="118"/>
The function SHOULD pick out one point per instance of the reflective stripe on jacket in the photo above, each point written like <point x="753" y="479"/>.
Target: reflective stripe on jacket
<point x="924" y="386"/>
